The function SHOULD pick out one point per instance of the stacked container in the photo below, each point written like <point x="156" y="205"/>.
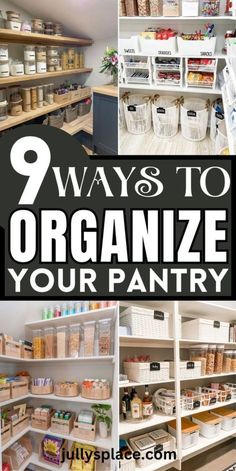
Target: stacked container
<point x="4" y="61"/>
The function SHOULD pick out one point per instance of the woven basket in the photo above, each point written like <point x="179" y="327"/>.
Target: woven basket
<point x="143" y="371"/>
<point x="146" y="322"/>
<point x="56" y="121"/>
<point x="83" y="108"/>
<point x="71" y="113"/>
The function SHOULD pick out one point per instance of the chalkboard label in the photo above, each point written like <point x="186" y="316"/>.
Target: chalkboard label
<point x="196" y="404"/>
<point x="155" y="366"/>
<point x="216" y="324"/>
<point x="190" y="365"/>
<point x="191" y="113"/>
<point x="219" y="115"/>
<point x="213" y="400"/>
<point x="159" y="315"/>
<point x="158" y="448"/>
<point x="228" y="397"/>
<point x="131" y="108"/>
<point x="161" y="110"/>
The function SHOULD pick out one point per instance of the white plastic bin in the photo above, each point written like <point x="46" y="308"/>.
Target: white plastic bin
<point x="202" y="48"/>
<point x="228" y="417"/>
<point x="194" y="119"/>
<point x="190" y="432"/>
<point x="137" y="114"/>
<point x="165" y="116"/>
<point x="147" y="371"/>
<point x="221" y="138"/>
<point x="187" y="369"/>
<point x="146" y="322"/>
<point x="162" y="47"/>
<point x="206" y="330"/>
<point x="129" y="46"/>
<point x="127" y="464"/>
<point x="210" y="425"/>
<point x="143" y="444"/>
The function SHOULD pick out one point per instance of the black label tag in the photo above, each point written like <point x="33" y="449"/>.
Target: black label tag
<point x="190" y="365"/>
<point x="191" y="113"/>
<point x="228" y="397"/>
<point x="219" y="115"/>
<point x="196" y="404"/>
<point x="155" y="366"/>
<point x="213" y="400"/>
<point x="161" y="110"/>
<point x="159" y="315"/>
<point x="216" y="324"/>
<point x="131" y="108"/>
<point x="158" y="448"/>
<point x="174" y="410"/>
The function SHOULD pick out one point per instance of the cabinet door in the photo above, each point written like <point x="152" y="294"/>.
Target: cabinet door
<point x="105" y="124"/>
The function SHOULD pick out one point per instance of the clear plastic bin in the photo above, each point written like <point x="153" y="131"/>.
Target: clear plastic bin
<point x="219" y="358"/>
<point x="74" y="340"/>
<point x="50" y="342"/>
<point x="38" y="344"/>
<point x="210" y="365"/>
<point x="61" y="341"/>
<point x="104" y="337"/>
<point x="227" y="361"/>
<point x="89" y="338"/>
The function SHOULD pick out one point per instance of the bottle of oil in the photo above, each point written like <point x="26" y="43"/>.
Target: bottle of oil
<point x="126" y="405"/>
<point x="147" y="405"/>
<point x="136" y="407"/>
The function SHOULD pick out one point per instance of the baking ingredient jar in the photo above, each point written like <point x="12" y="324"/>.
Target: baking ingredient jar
<point x="227" y="361"/>
<point x="49" y="93"/>
<point x="16" y="107"/>
<point x="17" y="68"/>
<point x="34" y="100"/>
<point x="233" y="361"/>
<point x="64" y="61"/>
<point x="29" y="53"/>
<point x="61" y="341"/>
<point x="155" y="7"/>
<point x="38" y="344"/>
<point x="89" y="338"/>
<point x="4" y="52"/>
<point x="199" y="353"/>
<point x="13" y="15"/>
<point x="74" y="340"/>
<point x="37" y="26"/>
<point x="26" y="96"/>
<point x="26" y="27"/>
<point x="4" y="69"/>
<point x="30" y="68"/>
<point x="40" y="96"/>
<point x="3" y="94"/>
<point x="41" y="67"/>
<point x="53" y="51"/>
<point x="210" y="359"/>
<point x="219" y="358"/>
<point x="13" y="25"/>
<point x="50" y="338"/>
<point x="104" y="337"/>
<point x="41" y="53"/>
<point x="3" y="110"/>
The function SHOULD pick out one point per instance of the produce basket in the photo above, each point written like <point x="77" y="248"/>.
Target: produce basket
<point x="83" y="108"/>
<point x="71" y="113"/>
<point x="147" y="371"/>
<point x="194" y="119"/>
<point x="165" y="116"/>
<point x="137" y="110"/>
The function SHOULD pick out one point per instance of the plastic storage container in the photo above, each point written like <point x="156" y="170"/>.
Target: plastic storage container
<point x="171" y="7"/>
<point x="155" y="7"/>
<point x="206" y="330"/>
<point x="228" y="417"/>
<point x="29" y="53"/>
<point x="147" y="371"/>
<point x="41" y="53"/>
<point x="227" y="361"/>
<point x="233" y="361"/>
<point x="38" y="344"/>
<point x="165" y="116"/>
<point x="190" y="432"/>
<point x="17" y="68"/>
<point x="104" y="337"/>
<point x="188" y="369"/>
<point x="131" y="7"/>
<point x="3" y="110"/>
<point x="4" y="52"/>
<point x="199" y="353"/>
<point x="190" y="7"/>
<point x="137" y="114"/>
<point x="74" y="340"/>
<point x="143" y="444"/>
<point x="219" y="358"/>
<point x="143" y="7"/>
<point x="210" y="365"/>
<point x="50" y="342"/>
<point x="210" y="425"/>
<point x="146" y="322"/>
<point x="61" y="341"/>
<point x="89" y="338"/>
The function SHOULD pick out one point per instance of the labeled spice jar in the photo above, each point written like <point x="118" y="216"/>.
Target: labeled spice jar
<point x="4" y="52"/>
<point x="89" y="337"/>
<point x="34" y="99"/>
<point x="41" y="67"/>
<point x="227" y="361"/>
<point x="219" y="358"/>
<point x="49" y="336"/>
<point x="74" y="340"/>
<point x="41" y="53"/>
<point x="16" y="108"/>
<point x="17" y="68"/>
<point x="3" y="110"/>
<point x="4" y="69"/>
<point x="40" y="96"/>
<point x="199" y="353"/>
<point x="30" y="68"/>
<point x="38" y="344"/>
<point x="104" y="337"/>
<point x="29" y="53"/>
<point x="61" y="341"/>
<point x="210" y="359"/>
<point x="233" y="361"/>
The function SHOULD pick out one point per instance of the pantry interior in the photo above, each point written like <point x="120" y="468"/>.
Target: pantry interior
<point x="51" y="56"/>
<point x="183" y="354"/>
<point x="53" y="403"/>
<point x="178" y="68"/>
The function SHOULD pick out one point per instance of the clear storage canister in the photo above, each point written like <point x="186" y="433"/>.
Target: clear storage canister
<point x="40" y="96"/>
<point x="49" y="93"/>
<point x="41" y="53"/>
<point x="227" y="361"/>
<point x="26" y="96"/>
<point x="89" y="338"/>
<point x="30" y="67"/>
<point x="3" y="52"/>
<point x="233" y="361"/>
<point x="4" y="69"/>
<point x="41" y="67"/>
<point x="210" y="359"/>
<point x="16" y="107"/>
<point x="199" y="353"/>
<point x="3" y="110"/>
<point x="34" y="98"/>
<point x="104" y="337"/>
<point x="38" y="344"/>
<point x="61" y="341"/>
<point x="50" y="342"/>
<point x="17" y="68"/>
<point x="219" y="358"/>
<point x="29" y="53"/>
<point x="74" y="340"/>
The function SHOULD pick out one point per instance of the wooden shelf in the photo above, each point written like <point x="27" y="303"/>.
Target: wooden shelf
<point x="82" y="123"/>
<point x="26" y="78"/>
<point x="21" y="37"/>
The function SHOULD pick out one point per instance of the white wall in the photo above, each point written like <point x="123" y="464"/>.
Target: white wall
<point x="93" y="59"/>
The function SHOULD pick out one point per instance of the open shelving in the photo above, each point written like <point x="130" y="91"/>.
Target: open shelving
<point x="20" y="37"/>
<point x="32" y="78"/>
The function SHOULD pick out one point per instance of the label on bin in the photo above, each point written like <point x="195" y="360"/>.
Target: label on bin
<point x="205" y="53"/>
<point x="196" y="404"/>
<point x="131" y="108"/>
<point x="216" y="324"/>
<point x="219" y="115"/>
<point x="191" y="113"/>
<point x="161" y="110"/>
<point x="158" y="448"/>
<point x="159" y="315"/>
<point x="228" y="397"/>
<point x="213" y="400"/>
<point x="164" y="53"/>
<point x="155" y="366"/>
<point x="190" y="365"/>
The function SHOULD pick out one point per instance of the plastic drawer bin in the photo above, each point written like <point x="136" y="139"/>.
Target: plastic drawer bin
<point x="165" y="116"/>
<point x="146" y="322"/>
<point x="228" y="416"/>
<point x="202" y="48"/>
<point x="206" y="330"/>
<point x="188" y="369"/>
<point x="190" y="432"/>
<point x="137" y="114"/>
<point x="161" y="47"/>
<point x="210" y="425"/>
<point x="147" y="371"/>
<point x="221" y="138"/>
<point x="194" y="119"/>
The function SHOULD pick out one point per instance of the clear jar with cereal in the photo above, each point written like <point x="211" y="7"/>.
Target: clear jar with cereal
<point x="199" y="353"/>
<point x="210" y="359"/>
<point x="219" y="358"/>
<point x="89" y="338"/>
<point x="74" y="341"/>
<point x="233" y="361"/>
<point x="227" y="361"/>
<point x="61" y="341"/>
<point x="50" y="342"/>
<point x="38" y="344"/>
<point x="104" y="337"/>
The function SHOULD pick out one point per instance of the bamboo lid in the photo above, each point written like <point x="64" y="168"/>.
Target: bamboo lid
<point x="207" y="417"/>
<point x="186" y="425"/>
<point x="225" y="412"/>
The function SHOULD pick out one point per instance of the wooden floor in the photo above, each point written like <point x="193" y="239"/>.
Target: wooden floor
<point x="215" y="459"/>
<point x="82" y="123"/>
<point x="149" y="144"/>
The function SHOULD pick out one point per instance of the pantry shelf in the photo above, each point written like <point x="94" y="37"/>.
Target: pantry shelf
<point x="171" y="88"/>
<point x="206" y="309"/>
<point x="12" y="401"/>
<point x="25" y="78"/>
<point x="176" y="18"/>
<point x="33" y="38"/>
<point x="76" y="399"/>
<point x="158" y="465"/>
<point x="126" y="427"/>
<point x="99" y="442"/>
<point x="206" y="443"/>
<point x="188" y="413"/>
<point x="133" y="384"/>
<point x="135" y="341"/>
<point x="186" y="343"/>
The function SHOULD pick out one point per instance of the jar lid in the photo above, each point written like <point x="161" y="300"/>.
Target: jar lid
<point x="3" y="103"/>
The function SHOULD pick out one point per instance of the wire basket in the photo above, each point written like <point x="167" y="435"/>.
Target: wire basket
<point x="71" y="113"/>
<point x="165" y="116"/>
<point x="165" y="402"/>
<point x="221" y="138"/>
<point x="194" y="119"/>
<point x="83" y="108"/>
<point x="137" y="110"/>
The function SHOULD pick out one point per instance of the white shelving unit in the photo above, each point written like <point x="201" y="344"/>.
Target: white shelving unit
<point x="176" y="349"/>
<point x="63" y="369"/>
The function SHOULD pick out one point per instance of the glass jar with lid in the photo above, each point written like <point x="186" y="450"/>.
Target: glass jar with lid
<point x="53" y="51"/>
<point x="227" y="361"/>
<point x="210" y="359"/>
<point x="17" y="68"/>
<point x="30" y="68"/>
<point x="29" y="53"/>
<point x="40" y="96"/>
<point x="219" y="358"/>
<point x="34" y="98"/>
<point x="41" y="53"/>
<point x="49" y="93"/>
<point x="50" y="342"/>
<point x="4" y="56"/>
<point x="26" y="96"/>
<point x="3" y="110"/>
<point x="16" y="107"/>
<point x="4" y="69"/>
<point x="65" y="60"/>
<point x="38" y="344"/>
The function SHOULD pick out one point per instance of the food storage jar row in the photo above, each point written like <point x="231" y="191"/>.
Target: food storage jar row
<point x="88" y="339"/>
<point x="13" y="20"/>
<point x="215" y="359"/>
<point x="175" y="8"/>
<point x="89" y="388"/>
<point x="74" y="308"/>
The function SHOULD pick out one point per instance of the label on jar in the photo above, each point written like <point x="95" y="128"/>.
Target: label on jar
<point x="29" y="55"/>
<point x="216" y="324"/>
<point x="190" y="365"/>
<point x="147" y="409"/>
<point x="159" y="315"/>
<point x="135" y="411"/>
<point x="155" y="366"/>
